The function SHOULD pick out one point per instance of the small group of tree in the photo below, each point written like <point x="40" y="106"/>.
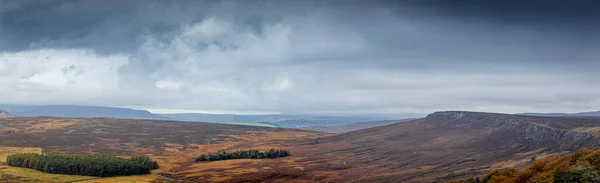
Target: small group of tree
<point x="100" y="166"/>
<point x="243" y="154"/>
<point x="582" y="166"/>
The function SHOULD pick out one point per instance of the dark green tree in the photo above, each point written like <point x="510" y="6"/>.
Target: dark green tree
<point x="101" y="166"/>
<point x="243" y="154"/>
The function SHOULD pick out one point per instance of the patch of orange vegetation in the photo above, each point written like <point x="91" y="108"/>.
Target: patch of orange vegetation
<point x="520" y="162"/>
<point x="42" y="127"/>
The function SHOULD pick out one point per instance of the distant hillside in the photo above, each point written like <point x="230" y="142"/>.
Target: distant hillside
<point x="284" y="121"/>
<point x="13" y="107"/>
<point x="4" y="114"/>
<point x="446" y="146"/>
<point x="581" y="114"/>
<point x="353" y="126"/>
<point x="217" y="118"/>
<point x="84" y="111"/>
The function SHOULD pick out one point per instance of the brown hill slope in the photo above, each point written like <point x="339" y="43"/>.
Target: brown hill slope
<point x="173" y="144"/>
<point x="445" y="146"/>
<point x="115" y="136"/>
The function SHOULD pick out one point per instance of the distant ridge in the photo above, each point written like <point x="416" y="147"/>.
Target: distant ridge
<point x="279" y="120"/>
<point x="4" y="114"/>
<point x="580" y="114"/>
<point x="84" y="111"/>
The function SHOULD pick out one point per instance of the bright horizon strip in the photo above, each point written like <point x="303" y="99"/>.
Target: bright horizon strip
<point x="180" y="111"/>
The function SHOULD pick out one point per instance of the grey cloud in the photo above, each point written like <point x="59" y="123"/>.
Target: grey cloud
<point x="298" y="56"/>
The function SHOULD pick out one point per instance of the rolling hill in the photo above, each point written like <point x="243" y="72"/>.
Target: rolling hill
<point x="277" y="120"/>
<point x="174" y="144"/>
<point x="443" y="146"/>
<point x="83" y="111"/>
<point x="353" y="126"/>
<point x="13" y="107"/>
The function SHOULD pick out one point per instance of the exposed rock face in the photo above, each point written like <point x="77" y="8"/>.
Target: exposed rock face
<point x="4" y="114"/>
<point x="520" y="132"/>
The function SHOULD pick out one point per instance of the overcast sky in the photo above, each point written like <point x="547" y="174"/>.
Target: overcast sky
<point x="303" y="56"/>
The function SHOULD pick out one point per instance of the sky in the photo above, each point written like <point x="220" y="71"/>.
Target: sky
<point x="284" y="56"/>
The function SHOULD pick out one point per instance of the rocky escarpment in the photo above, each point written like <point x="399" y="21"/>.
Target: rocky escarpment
<point x="519" y="132"/>
<point x="4" y="114"/>
<point x="448" y="145"/>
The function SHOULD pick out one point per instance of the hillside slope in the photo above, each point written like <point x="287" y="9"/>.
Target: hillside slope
<point x="84" y="111"/>
<point x="174" y="144"/>
<point x="445" y="146"/>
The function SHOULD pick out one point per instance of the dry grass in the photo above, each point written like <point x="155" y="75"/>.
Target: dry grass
<point x="18" y="175"/>
<point x="7" y="151"/>
<point x="137" y="178"/>
<point x="14" y="174"/>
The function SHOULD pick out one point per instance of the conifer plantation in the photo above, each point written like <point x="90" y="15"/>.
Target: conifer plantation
<point x="100" y="166"/>
<point x="243" y="154"/>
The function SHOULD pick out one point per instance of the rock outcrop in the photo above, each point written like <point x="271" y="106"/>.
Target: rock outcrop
<point x="520" y="131"/>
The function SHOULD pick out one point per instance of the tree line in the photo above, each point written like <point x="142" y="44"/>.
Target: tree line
<point x="582" y="166"/>
<point x="99" y="166"/>
<point x="243" y="154"/>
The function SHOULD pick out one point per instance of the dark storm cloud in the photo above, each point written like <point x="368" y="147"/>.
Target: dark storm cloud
<point x="515" y="11"/>
<point x="303" y="56"/>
